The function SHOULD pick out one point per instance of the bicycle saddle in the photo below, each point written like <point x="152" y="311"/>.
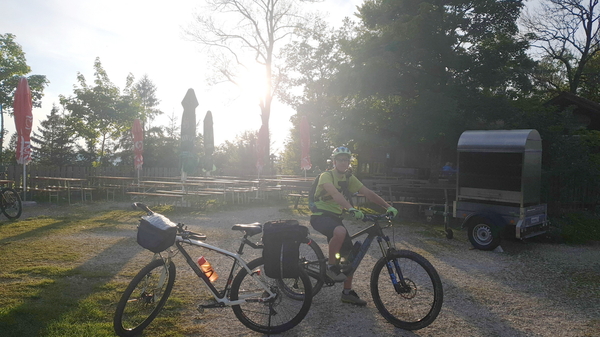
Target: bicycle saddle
<point x="250" y="229"/>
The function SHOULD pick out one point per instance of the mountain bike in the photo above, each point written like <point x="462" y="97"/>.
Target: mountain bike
<point x="258" y="302"/>
<point x="405" y="287"/>
<point x="10" y="204"/>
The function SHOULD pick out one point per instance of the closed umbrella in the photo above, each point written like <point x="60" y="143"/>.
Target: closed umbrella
<point x="209" y="142"/>
<point x="305" y="145"/>
<point x="189" y="160"/>
<point x="23" y="122"/>
<point x="138" y="146"/>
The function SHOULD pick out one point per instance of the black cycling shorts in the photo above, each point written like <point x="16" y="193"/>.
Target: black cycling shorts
<point x="325" y="225"/>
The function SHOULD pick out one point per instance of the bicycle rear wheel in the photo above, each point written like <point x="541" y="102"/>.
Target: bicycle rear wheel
<point x="312" y="261"/>
<point x="144" y="298"/>
<point x="274" y="315"/>
<point x="418" y="303"/>
<point x="11" y="205"/>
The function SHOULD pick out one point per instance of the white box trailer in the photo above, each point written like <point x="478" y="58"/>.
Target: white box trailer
<point x="498" y="186"/>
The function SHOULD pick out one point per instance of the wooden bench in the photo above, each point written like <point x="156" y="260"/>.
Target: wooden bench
<point x="53" y="192"/>
<point x="111" y="191"/>
<point x="85" y="192"/>
<point x="154" y="194"/>
<point x="297" y="197"/>
<point x="422" y="198"/>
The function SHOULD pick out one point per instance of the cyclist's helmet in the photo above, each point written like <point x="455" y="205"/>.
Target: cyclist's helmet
<point x="341" y="150"/>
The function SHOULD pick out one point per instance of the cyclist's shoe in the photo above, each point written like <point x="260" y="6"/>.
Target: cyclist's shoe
<point x="347" y="269"/>
<point x="353" y="298"/>
<point x="334" y="272"/>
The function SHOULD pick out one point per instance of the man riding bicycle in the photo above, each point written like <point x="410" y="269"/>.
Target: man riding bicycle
<point x="327" y="217"/>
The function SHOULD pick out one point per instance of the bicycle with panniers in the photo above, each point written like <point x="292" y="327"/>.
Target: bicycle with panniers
<point x="405" y="287"/>
<point x="258" y="294"/>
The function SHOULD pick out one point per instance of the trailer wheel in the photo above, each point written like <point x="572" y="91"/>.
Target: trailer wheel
<point x="483" y="234"/>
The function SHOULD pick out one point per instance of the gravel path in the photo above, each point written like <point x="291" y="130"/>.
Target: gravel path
<point x="529" y="289"/>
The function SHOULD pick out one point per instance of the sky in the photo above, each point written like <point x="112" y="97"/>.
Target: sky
<point x="63" y="37"/>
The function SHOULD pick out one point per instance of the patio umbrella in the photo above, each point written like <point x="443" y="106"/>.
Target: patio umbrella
<point x="23" y="122"/>
<point x="209" y="142"/>
<point x="305" y="145"/>
<point x="189" y="161"/>
<point x="138" y="146"/>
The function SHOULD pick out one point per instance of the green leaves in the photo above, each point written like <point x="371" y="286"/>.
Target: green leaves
<point x="12" y="66"/>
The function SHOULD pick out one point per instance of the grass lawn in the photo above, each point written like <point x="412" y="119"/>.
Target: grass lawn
<point x="50" y="281"/>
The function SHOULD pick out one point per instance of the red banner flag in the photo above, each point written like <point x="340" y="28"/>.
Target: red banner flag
<point x="23" y="121"/>
<point x="138" y="144"/>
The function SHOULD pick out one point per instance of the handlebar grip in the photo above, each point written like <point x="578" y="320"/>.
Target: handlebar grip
<point x="142" y="206"/>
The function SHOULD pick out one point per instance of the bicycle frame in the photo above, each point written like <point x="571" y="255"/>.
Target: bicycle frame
<point x="375" y="231"/>
<point x="221" y="296"/>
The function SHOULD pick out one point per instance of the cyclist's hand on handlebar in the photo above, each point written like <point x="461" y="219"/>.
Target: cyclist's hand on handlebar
<point x="391" y="212"/>
<point x="356" y="213"/>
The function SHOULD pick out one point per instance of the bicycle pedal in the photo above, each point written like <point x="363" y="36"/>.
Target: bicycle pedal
<point x="201" y="307"/>
<point x="328" y="282"/>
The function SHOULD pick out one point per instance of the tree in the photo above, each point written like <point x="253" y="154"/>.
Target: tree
<point x="172" y="129"/>
<point x="312" y="64"/>
<point x="567" y="31"/>
<point x="412" y="75"/>
<point x="145" y="92"/>
<point x="100" y="113"/>
<point x="590" y="80"/>
<point x="54" y="141"/>
<point x="424" y="71"/>
<point x="237" y="157"/>
<point x="13" y="65"/>
<point x="245" y="32"/>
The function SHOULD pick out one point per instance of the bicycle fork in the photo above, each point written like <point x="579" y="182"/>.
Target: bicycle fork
<point x="393" y="266"/>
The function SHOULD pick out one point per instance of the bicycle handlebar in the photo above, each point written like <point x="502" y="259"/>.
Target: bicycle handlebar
<point x="143" y="207"/>
<point x="376" y="217"/>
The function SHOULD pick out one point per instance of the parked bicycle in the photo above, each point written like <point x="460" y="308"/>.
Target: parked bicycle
<point x="10" y="204"/>
<point x="405" y="287"/>
<point x="259" y="302"/>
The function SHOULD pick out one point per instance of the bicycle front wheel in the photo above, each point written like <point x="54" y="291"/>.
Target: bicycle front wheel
<point x="312" y="260"/>
<point x="11" y="205"/>
<point x="414" y="303"/>
<point x="144" y="298"/>
<point x="274" y="315"/>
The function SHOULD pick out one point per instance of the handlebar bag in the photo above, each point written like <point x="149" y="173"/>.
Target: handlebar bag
<point x="156" y="232"/>
<point x="281" y="241"/>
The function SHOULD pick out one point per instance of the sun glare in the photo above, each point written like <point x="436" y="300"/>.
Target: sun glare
<point x="253" y="84"/>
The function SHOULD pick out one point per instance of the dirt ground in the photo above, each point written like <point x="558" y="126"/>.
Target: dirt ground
<point x="528" y="289"/>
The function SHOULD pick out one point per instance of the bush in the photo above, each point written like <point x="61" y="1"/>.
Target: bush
<point x="577" y="227"/>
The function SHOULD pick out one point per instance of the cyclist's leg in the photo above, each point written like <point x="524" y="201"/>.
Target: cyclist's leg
<point x="339" y="240"/>
<point x="337" y="235"/>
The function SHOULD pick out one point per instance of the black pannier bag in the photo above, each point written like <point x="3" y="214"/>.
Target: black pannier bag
<point x="156" y="233"/>
<point x="281" y="240"/>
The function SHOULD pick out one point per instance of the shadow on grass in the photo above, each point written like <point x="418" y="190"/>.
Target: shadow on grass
<point x="52" y="300"/>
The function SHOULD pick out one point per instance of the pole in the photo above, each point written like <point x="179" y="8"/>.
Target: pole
<point x="24" y="182"/>
<point x="1" y="132"/>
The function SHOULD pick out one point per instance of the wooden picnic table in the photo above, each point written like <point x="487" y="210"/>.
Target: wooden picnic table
<point x="65" y="184"/>
<point x="111" y="184"/>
